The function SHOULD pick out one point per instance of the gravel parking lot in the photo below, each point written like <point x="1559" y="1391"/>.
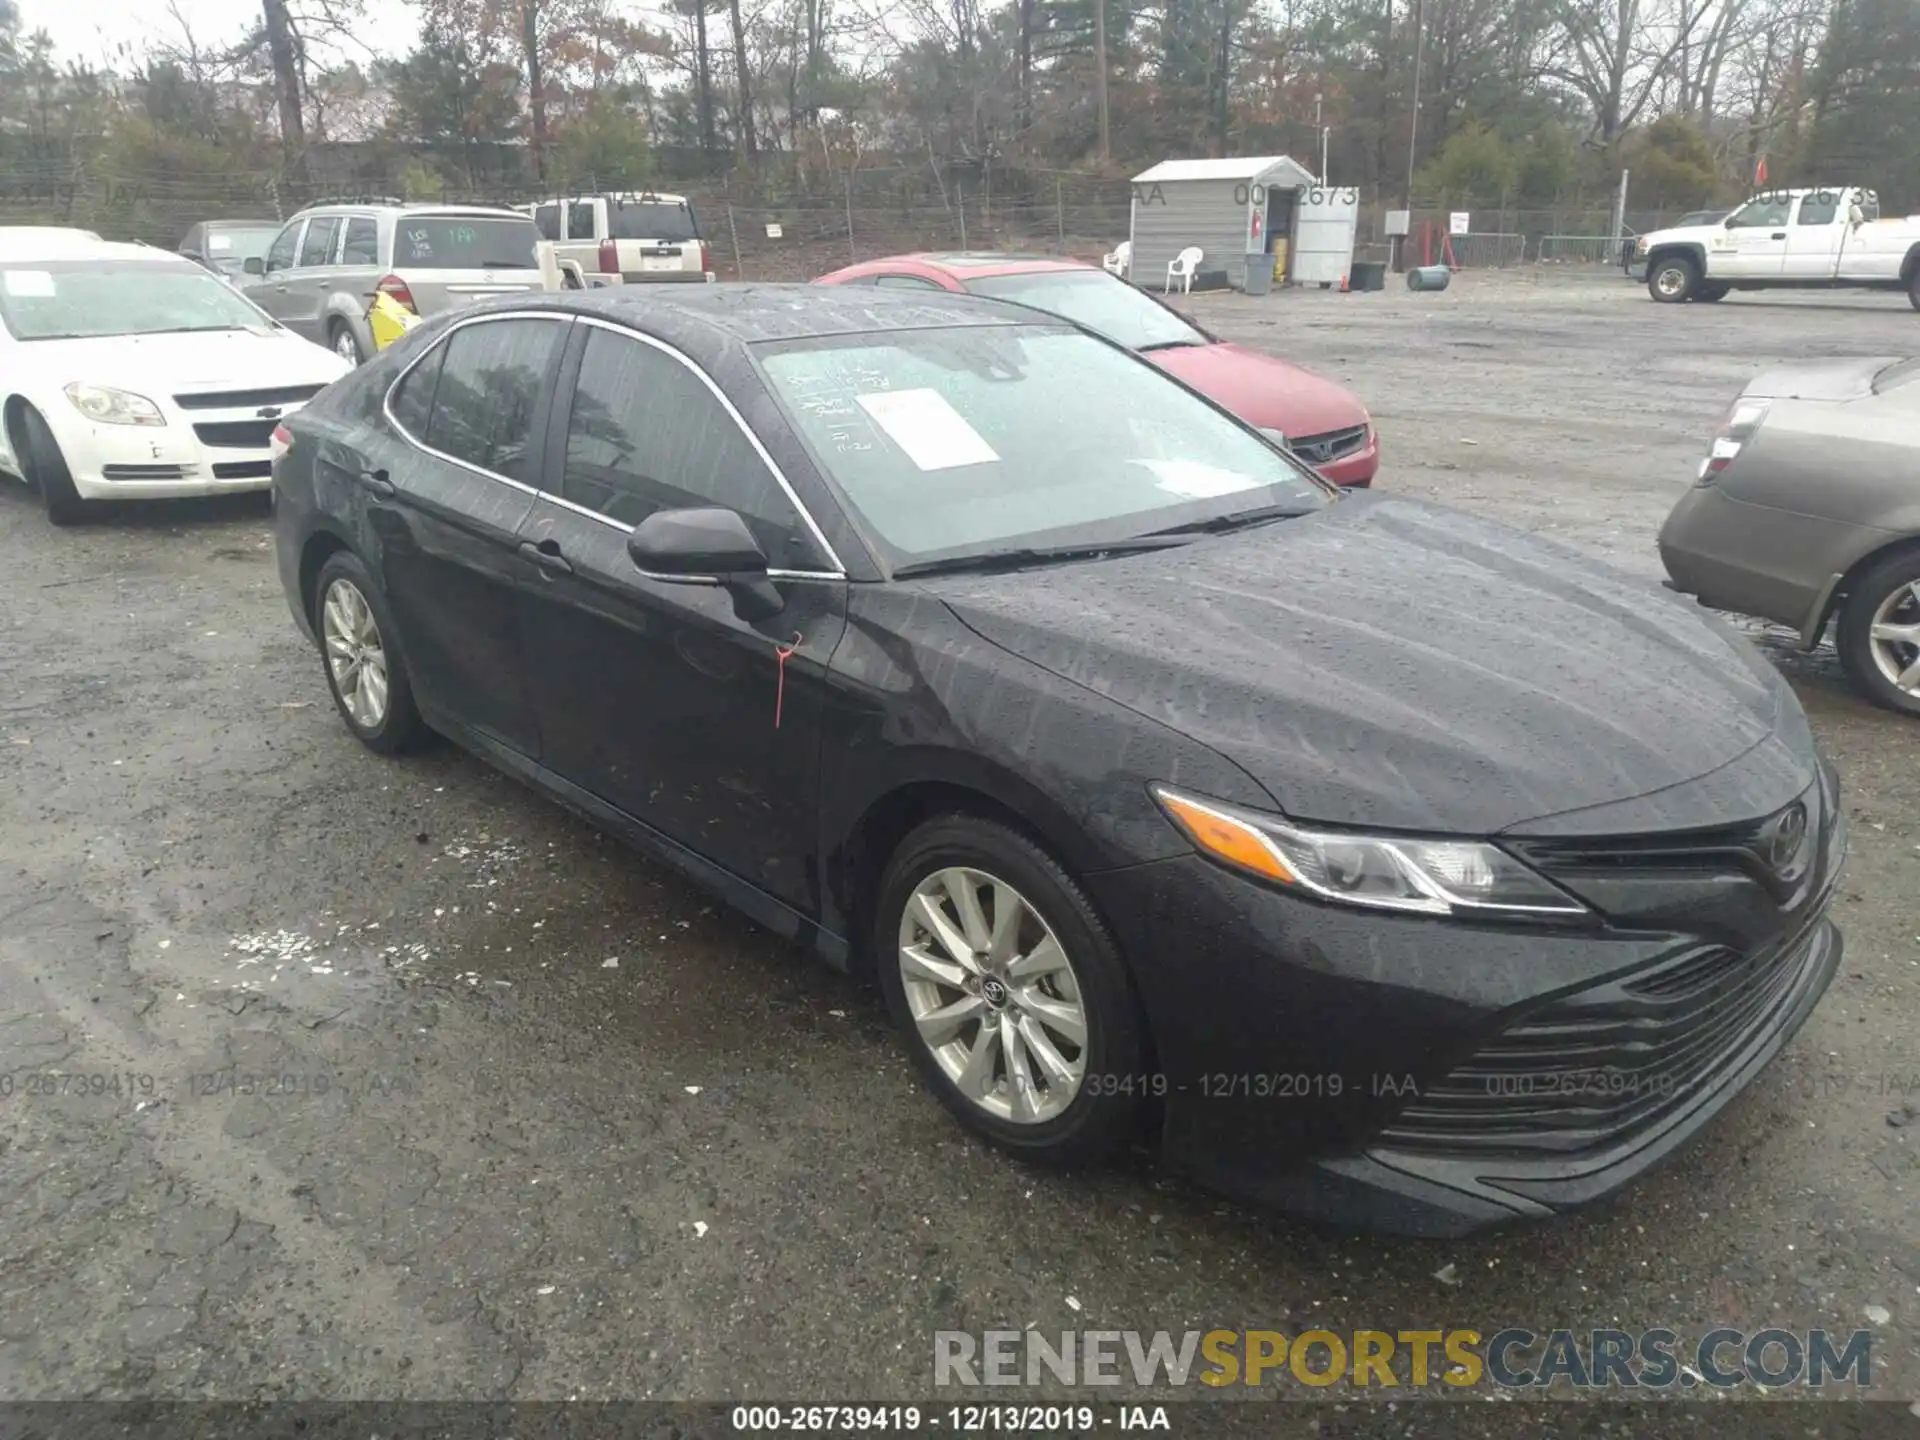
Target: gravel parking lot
<point x="509" y="1113"/>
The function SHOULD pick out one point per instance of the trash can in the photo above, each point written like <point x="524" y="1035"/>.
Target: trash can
<point x="1367" y="275"/>
<point x="1428" y="277"/>
<point x="1259" y="273"/>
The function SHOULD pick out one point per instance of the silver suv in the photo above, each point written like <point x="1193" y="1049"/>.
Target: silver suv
<point x="329" y="261"/>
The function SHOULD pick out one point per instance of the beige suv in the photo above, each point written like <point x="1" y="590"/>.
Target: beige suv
<point x="329" y="261"/>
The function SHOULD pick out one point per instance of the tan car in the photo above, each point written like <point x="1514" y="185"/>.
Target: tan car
<point x="1806" y="512"/>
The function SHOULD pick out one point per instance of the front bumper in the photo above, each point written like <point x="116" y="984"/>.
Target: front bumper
<point x="1357" y="469"/>
<point x="161" y="462"/>
<point x="1367" y="1069"/>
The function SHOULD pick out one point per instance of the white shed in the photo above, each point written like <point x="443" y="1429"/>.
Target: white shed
<point x="1231" y="209"/>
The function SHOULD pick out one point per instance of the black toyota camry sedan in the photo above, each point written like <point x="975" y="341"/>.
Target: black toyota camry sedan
<point x="1364" y="857"/>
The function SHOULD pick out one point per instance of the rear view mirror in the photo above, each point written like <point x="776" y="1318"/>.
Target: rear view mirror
<point x="709" y="546"/>
<point x="254" y="265"/>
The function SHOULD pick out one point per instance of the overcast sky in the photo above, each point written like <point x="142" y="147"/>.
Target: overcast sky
<point x="94" y="30"/>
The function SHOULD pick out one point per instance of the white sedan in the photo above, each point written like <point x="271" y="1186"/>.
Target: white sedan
<point x="129" y="373"/>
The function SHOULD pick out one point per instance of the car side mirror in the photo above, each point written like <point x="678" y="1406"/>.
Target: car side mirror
<point x="254" y="265"/>
<point x="707" y="546"/>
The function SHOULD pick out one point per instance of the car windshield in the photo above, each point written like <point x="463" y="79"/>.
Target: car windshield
<point x="652" y="220"/>
<point x="70" y="300"/>
<point x="465" y="242"/>
<point x="995" y="440"/>
<point x="1097" y="300"/>
<point x="230" y="247"/>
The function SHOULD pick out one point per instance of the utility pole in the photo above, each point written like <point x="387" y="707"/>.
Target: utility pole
<point x="1620" y="210"/>
<point x="1413" y="123"/>
<point x="1100" y="65"/>
<point x="1323" y="139"/>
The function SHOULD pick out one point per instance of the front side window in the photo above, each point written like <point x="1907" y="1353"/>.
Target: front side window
<point x="280" y="254"/>
<point x="82" y="299"/>
<point x="362" y="245"/>
<point x="985" y="440"/>
<point x="1103" y="303"/>
<point x="489" y="385"/>
<point x="317" y="248"/>
<point x="1759" y="214"/>
<point x="466" y="242"/>
<point x="647" y="434"/>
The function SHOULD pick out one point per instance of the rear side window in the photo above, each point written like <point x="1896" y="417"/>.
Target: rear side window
<point x="653" y="220"/>
<point x="488" y="387"/>
<point x="465" y="242"/>
<point x="1818" y="210"/>
<point x="317" y="248"/>
<point x="646" y="434"/>
<point x="362" y="245"/>
<point x="412" y="399"/>
<point x="580" y="220"/>
<point x="546" y="219"/>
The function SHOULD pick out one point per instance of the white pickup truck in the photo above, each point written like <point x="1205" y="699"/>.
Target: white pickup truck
<point x="1786" y="239"/>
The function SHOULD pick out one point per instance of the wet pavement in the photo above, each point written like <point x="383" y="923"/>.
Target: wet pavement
<point x="331" y="1077"/>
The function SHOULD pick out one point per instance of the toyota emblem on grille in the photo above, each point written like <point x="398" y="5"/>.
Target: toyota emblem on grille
<point x="1784" y="843"/>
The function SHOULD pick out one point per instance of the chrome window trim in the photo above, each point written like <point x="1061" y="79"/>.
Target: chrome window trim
<point x="386" y="409"/>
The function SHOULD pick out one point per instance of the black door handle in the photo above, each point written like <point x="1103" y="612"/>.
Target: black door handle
<point x="547" y="556"/>
<point x="1779" y="234"/>
<point x="377" y="482"/>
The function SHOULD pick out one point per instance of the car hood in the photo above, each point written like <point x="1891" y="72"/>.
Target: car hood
<point x="1820" y="380"/>
<point x="1263" y="390"/>
<point x="1392" y="664"/>
<point x="156" y="365"/>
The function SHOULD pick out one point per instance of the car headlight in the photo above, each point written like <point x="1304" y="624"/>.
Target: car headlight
<point x="1467" y="878"/>
<point x="106" y="406"/>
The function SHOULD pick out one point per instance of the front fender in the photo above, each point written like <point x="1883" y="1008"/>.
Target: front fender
<point x="1668" y="249"/>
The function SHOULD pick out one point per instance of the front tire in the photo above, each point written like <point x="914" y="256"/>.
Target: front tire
<point x="1878" y="636"/>
<point x="365" y="672"/>
<point x="1913" y="288"/>
<point x="39" y="455"/>
<point x="1710" y="293"/>
<point x="1009" y="993"/>
<point x="1672" y="279"/>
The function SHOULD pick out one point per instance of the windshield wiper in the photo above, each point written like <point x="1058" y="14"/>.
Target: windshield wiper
<point x="1237" y="520"/>
<point x="1169" y="345"/>
<point x="1041" y="555"/>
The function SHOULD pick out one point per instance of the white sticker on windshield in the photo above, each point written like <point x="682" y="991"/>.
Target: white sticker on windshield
<point x="922" y="423"/>
<point x="30" y="284"/>
<point x="219" y="242"/>
<point x="1194" y="480"/>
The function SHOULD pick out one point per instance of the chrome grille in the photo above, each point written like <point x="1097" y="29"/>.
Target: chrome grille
<point x="1331" y="445"/>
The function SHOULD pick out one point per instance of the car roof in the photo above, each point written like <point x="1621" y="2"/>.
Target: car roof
<point x="964" y="264"/>
<point x="17" y="250"/>
<point x="264" y="224"/>
<point x="707" y="316"/>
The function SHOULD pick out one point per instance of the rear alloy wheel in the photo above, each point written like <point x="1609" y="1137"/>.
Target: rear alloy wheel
<point x="365" y="673"/>
<point x="1672" y="279"/>
<point x="39" y="456"/>
<point x="1009" y="992"/>
<point x="1879" y="633"/>
<point x="344" y="345"/>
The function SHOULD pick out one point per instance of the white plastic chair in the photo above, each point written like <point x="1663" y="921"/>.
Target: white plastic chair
<point x="1120" y="260"/>
<point x="1182" y="266"/>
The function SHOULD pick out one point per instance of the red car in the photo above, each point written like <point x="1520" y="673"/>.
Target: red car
<point x="1322" y="423"/>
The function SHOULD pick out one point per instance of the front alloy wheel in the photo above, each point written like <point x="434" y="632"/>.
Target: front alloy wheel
<point x="993" y="995"/>
<point x="1009" y="992"/>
